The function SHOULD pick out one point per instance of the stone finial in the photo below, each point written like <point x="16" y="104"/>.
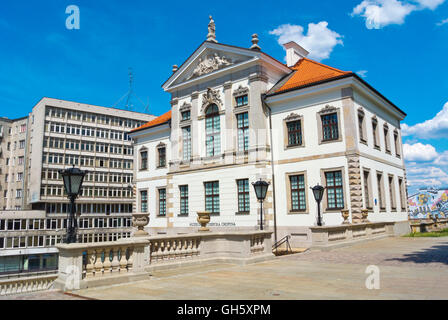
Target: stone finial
<point x="255" y="40"/>
<point x="211" y="36"/>
<point x="175" y="67"/>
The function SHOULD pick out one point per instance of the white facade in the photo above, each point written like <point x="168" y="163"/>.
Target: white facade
<point x="220" y="75"/>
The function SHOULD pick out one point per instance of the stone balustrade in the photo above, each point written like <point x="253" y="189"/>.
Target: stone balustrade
<point x="330" y="236"/>
<point x="83" y="265"/>
<point x="427" y="225"/>
<point x="27" y="283"/>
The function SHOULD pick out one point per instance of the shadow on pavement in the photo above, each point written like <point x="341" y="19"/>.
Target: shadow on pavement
<point x="435" y="254"/>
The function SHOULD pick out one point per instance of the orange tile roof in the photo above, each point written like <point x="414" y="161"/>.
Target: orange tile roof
<point x="154" y="122"/>
<point x="307" y="71"/>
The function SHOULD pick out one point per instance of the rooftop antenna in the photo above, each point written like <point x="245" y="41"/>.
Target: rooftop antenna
<point x="128" y="105"/>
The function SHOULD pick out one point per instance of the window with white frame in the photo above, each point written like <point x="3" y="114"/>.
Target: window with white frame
<point x="243" y="131"/>
<point x="212" y="130"/>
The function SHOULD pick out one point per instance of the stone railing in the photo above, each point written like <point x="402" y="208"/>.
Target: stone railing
<point x="99" y="262"/>
<point x="166" y="249"/>
<point x="427" y="225"/>
<point x="233" y="247"/>
<point x="83" y="265"/>
<point x="328" y="236"/>
<point x="30" y="282"/>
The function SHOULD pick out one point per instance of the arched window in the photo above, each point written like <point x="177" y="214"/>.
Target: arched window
<point x="212" y="131"/>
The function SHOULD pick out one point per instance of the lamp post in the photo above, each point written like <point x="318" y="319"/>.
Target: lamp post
<point x="73" y="178"/>
<point x="318" y="192"/>
<point x="261" y="188"/>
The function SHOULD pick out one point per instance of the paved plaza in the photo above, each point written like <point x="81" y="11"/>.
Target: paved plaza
<point x="410" y="268"/>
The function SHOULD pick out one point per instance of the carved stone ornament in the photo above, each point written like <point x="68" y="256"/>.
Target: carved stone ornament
<point x="140" y="220"/>
<point x="161" y="145"/>
<point x="327" y="109"/>
<point x="374" y="119"/>
<point x="211" y="96"/>
<point x="184" y="107"/>
<point x="292" y="116"/>
<point x="210" y="63"/>
<point x="241" y="91"/>
<point x="361" y="111"/>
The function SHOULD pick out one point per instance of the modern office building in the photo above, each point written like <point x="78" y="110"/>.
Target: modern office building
<point x="13" y="137"/>
<point x="239" y="115"/>
<point x="58" y="134"/>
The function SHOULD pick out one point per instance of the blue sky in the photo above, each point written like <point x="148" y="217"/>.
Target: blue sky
<point x="399" y="46"/>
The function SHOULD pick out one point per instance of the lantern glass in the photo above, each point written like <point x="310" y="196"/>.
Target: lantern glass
<point x="318" y="192"/>
<point x="67" y="184"/>
<point x="261" y="188"/>
<point x="73" y="179"/>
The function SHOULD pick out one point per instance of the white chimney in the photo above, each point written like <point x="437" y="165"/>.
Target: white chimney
<point x="294" y="52"/>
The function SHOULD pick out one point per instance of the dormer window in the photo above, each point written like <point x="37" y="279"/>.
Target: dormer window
<point x="241" y="101"/>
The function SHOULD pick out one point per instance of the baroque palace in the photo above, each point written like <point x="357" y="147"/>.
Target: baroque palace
<point x="238" y="115"/>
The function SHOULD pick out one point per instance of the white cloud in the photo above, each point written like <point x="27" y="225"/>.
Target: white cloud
<point x="380" y="13"/>
<point x="441" y="23"/>
<point x="430" y="4"/>
<point x="419" y="152"/>
<point x="422" y="175"/>
<point x="362" y="73"/>
<point x="319" y="40"/>
<point x="436" y="127"/>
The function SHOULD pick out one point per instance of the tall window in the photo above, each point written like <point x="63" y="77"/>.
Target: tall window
<point x="330" y="127"/>
<point x="212" y="196"/>
<point x="294" y="133"/>
<point x="402" y="193"/>
<point x="186" y="138"/>
<point x="243" y="131"/>
<point x="367" y="189"/>
<point x="162" y="202"/>
<point x="386" y="138"/>
<point x="396" y="144"/>
<point x="297" y="183"/>
<point x="144" y="201"/>
<point x="143" y="160"/>
<point x="375" y="133"/>
<point x="183" y="200"/>
<point x="162" y="156"/>
<point x="362" y="137"/>
<point x="392" y="193"/>
<point x="379" y="178"/>
<point x="212" y="130"/>
<point x="335" y="194"/>
<point x="243" y="195"/>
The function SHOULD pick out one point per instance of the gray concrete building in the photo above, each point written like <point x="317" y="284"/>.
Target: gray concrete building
<point x="55" y="135"/>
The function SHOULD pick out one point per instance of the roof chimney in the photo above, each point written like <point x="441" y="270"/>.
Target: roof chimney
<point x="294" y="52"/>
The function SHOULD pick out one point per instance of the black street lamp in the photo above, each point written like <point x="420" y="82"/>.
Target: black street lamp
<point x="318" y="192"/>
<point x="261" y="188"/>
<point x="73" y="179"/>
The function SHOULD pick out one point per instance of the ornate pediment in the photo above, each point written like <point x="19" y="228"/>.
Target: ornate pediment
<point x="210" y="63"/>
<point x="293" y="116"/>
<point x="241" y="91"/>
<point x="361" y="111"/>
<point x="184" y="107"/>
<point x="211" y="96"/>
<point x="328" y="109"/>
<point x="161" y="145"/>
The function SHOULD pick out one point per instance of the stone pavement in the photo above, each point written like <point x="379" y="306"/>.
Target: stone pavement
<point x="410" y="268"/>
